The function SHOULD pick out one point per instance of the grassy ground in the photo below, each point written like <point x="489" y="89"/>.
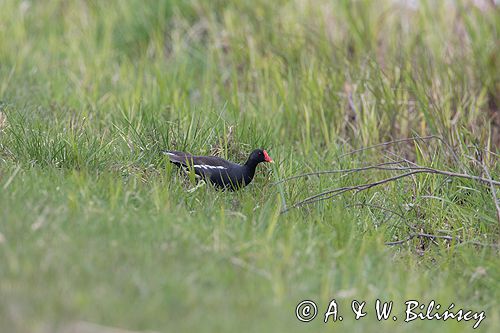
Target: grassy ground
<point x="96" y="226"/>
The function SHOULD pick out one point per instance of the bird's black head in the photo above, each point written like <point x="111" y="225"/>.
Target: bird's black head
<point x="259" y="155"/>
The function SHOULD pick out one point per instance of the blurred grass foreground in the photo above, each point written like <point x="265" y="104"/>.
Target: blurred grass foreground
<point x="98" y="233"/>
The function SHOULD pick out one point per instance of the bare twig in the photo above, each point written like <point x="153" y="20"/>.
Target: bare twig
<point x="403" y="159"/>
<point x="382" y="166"/>
<point x="337" y="191"/>
<point x="358" y="188"/>
<point x="401" y="241"/>
<point x="421" y="235"/>
<point x="432" y="237"/>
<point x="319" y="173"/>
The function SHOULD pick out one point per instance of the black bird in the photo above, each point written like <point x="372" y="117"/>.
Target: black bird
<point x="220" y="172"/>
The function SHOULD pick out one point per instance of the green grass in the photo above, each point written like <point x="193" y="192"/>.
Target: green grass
<point x="96" y="225"/>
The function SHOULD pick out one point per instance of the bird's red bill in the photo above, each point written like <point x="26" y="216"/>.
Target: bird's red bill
<point x="267" y="158"/>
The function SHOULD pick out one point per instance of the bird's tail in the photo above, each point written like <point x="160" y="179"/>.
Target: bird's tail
<point x="177" y="156"/>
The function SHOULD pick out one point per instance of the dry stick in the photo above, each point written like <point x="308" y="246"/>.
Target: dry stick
<point x="384" y="144"/>
<point x="358" y="188"/>
<point x="401" y="241"/>
<point x="421" y="235"/>
<point x="319" y="173"/>
<point x="404" y="159"/>
<point x="422" y="169"/>
<point x="340" y="190"/>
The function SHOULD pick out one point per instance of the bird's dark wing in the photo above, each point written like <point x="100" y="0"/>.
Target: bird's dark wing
<point x="198" y="162"/>
<point x="220" y="172"/>
<point x="212" y="162"/>
<point x="205" y="166"/>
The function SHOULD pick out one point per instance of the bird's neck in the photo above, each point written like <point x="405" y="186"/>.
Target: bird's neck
<point x="250" y="166"/>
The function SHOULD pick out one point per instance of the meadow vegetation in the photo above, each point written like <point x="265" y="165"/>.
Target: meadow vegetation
<point x="96" y="226"/>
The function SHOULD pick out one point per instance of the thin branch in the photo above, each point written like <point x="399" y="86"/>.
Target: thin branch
<point x="432" y="237"/>
<point x="410" y="168"/>
<point x="319" y="173"/>
<point x="421" y="235"/>
<point x="338" y="191"/>
<point x="401" y="241"/>
<point x="358" y="188"/>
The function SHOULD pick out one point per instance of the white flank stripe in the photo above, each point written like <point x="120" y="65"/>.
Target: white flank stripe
<point x="205" y="166"/>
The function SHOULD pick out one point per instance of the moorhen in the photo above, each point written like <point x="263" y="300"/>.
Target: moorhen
<point x="220" y="172"/>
